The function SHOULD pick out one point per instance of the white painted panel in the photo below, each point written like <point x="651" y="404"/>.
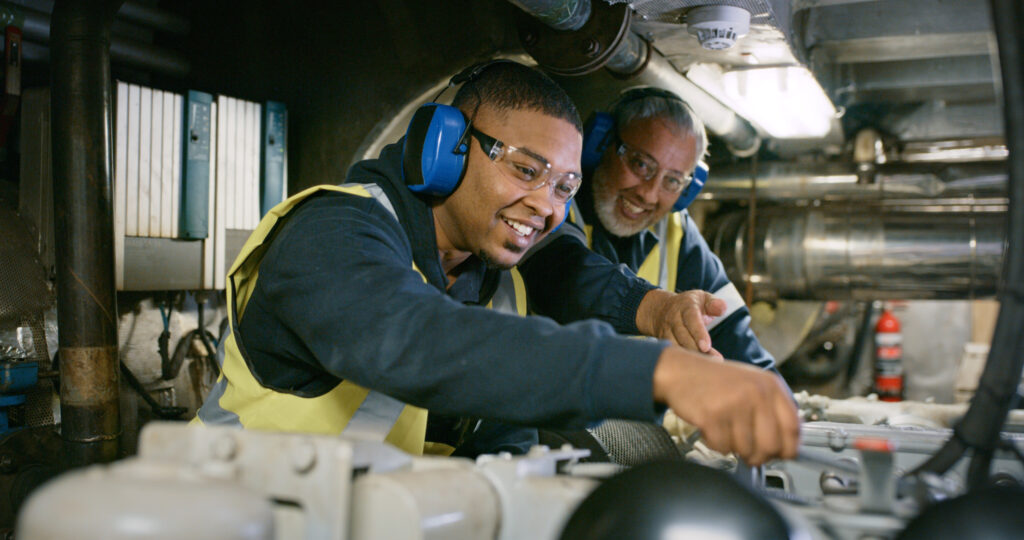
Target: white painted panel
<point x="176" y="164"/>
<point x="120" y="176"/>
<point x="131" y="218"/>
<point x="145" y="149"/>
<point x="167" y="170"/>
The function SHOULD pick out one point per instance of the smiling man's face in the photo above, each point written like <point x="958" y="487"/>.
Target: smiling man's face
<point x="492" y="215"/>
<point x="625" y="203"/>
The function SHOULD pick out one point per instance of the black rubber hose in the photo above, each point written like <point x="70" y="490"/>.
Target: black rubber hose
<point x="982" y="424"/>
<point x="204" y="336"/>
<point x="980" y="428"/>
<point x="167" y="413"/>
<point x="862" y="337"/>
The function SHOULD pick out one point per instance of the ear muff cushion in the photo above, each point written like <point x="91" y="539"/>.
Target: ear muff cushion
<point x="431" y="162"/>
<point x="597" y="134"/>
<point x="700" y="177"/>
<point x="565" y="216"/>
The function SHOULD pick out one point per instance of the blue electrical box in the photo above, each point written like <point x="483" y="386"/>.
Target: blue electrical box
<point x="274" y="153"/>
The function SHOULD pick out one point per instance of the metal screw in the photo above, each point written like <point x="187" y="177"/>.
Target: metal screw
<point x="529" y="38"/>
<point x="837" y="439"/>
<point x="6" y="462"/>
<point x="224" y="448"/>
<point x="303" y="456"/>
<point x="591" y="48"/>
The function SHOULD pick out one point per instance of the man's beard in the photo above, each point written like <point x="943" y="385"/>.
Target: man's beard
<point x="605" y="199"/>
<point x="495" y="265"/>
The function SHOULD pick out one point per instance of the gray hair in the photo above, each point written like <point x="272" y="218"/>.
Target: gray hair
<point x="649" y="102"/>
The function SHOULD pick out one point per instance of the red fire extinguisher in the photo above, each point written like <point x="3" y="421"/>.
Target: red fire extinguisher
<point x="888" y="358"/>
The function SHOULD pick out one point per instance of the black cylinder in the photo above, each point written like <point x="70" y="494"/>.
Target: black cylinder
<point x="83" y="212"/>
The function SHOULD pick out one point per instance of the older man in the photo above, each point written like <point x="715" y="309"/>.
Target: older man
<point x="640" y="161"/>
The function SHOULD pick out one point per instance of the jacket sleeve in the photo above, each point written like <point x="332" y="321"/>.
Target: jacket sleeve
<point x="700" y="268"/>
<point x="568" y="282"/>
<point x="339" y="285"/>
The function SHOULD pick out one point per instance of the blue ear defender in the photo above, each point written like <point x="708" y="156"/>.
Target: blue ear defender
<point x="434" y="152"/>
<point x="700" y="177"/>
<point x="597" y="135"/>
<point x="599" y="132"/>
<point x="436" y="141"/>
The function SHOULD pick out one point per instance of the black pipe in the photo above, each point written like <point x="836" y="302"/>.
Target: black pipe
<point x="980" y="427"/>
<point x="154" y="18"/>
<point x="983" y="422"/>
<point x="123" y="50"/>
<point x="83" y="212"/>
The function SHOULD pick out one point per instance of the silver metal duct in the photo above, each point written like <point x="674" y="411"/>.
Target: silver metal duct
<point x="951" y="249"/>
<point x="596" y="90"/>
<point x="787" y="181"/>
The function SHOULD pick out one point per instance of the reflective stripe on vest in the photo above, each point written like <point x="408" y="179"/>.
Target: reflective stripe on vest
<point x="239" y="399"/>
<point x="510" y="296"/>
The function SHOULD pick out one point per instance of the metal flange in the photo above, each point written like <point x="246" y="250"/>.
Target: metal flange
<point x="576" y="52"/>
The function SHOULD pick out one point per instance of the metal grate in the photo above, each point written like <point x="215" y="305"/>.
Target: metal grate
<point x="24" y="293"/>
<point x="38" y="408"/>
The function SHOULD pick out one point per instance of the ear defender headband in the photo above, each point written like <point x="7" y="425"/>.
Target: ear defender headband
<point x="600" y="131"/>
<point x="436" y="141"/>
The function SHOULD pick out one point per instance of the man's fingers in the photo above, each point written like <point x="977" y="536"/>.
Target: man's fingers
<point x="681" y="333"/>
<point x="694" y="323"/>
<point x="713" y="306"/>
<point x="767" y="436"/>
<point x="717" y="435"/>
<point x="789" y="426"/>
<point x="743" y="437"/>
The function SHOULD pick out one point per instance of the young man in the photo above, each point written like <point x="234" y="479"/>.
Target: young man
<point x="355" y="309"/>
<point x="629" y="210"/>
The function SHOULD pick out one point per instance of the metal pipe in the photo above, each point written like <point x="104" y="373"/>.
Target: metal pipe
<point x="630" y="57"/>
<point x="558" y="14"/>
<point x="83" y="211"/>
<point x="840" y="252"/>
<point x="596" y="90"/>
<point x="156" y="18"/>
<point x="132" y="10"/>
<point x="784" y="181"/>
<point x="122" y="50"/>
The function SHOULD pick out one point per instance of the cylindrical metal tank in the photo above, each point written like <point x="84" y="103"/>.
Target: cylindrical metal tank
<point x="839" y="252"/>
<point x="144" y="499"/>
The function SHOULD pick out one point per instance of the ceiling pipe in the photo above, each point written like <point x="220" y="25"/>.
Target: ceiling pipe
<point x="122" y="50"/>
<point x="606" y="41"/>
<point x="558" y="14"/>
<point x="83" y="212"/>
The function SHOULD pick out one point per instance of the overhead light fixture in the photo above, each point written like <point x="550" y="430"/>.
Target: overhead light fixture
<point x="785" y="102"/>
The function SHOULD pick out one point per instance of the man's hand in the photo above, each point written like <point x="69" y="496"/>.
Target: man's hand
<point x="680" y="317"/>
<point x="737" y="407"/>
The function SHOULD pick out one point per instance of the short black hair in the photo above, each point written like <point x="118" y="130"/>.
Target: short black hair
<point x="508" y="85"/>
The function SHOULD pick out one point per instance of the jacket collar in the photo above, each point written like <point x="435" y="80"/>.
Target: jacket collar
<point x="417" y="220"/>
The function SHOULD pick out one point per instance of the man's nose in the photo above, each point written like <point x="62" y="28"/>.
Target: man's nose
<point x="649" y="190"/>
<point x="540" y="201"/>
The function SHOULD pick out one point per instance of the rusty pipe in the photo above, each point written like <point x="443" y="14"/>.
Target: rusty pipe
<point x="83" y="212"/>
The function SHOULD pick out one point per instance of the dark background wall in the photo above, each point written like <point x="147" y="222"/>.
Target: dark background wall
<point x="342" y="68"/>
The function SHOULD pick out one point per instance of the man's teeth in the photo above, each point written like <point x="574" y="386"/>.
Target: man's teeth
<point x="631" y="208"/>
<point x="521" y="229"/>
